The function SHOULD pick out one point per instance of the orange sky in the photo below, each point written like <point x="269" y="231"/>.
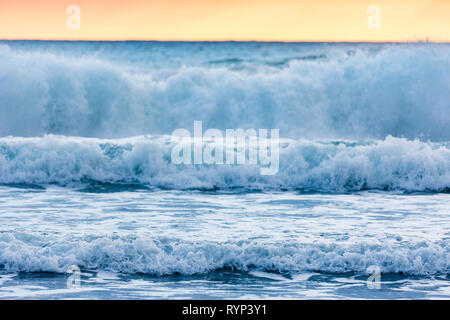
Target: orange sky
<point x="285" y="20"/>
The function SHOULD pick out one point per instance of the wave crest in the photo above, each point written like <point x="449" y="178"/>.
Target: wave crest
<point x="399" y="91"/>
<point x="324" y="166"/>
<point x="27" y="253"/>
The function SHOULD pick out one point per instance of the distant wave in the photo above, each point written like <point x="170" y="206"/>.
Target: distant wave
<point x="402" y="91"/>
<point x="307" y="165"/>
<point x="162" y="256"/>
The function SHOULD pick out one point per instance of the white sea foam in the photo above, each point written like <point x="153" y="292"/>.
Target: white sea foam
<point x="351" y="117"/>
<point x="33" y="253"/>
<point x="398" y="90"/>
<point x="324" y="166"/>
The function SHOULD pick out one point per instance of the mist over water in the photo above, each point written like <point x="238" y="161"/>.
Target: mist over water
<point x="307" y="91"/>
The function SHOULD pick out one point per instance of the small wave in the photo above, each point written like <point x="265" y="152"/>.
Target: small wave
<point x="164" y="256"/>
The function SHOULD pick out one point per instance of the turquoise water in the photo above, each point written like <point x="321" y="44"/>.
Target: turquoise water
<point x="87" y="182"/>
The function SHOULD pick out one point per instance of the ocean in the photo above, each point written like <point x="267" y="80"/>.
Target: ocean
<point x="93" y="207"/>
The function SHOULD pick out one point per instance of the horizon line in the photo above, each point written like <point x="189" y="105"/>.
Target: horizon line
<point x="234" y="40"/>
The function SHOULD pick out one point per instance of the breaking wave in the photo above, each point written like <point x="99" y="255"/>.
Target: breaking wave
<point x="403" y="91"/>
<point x="309" y="165"/>
<point x="36" y="253"/>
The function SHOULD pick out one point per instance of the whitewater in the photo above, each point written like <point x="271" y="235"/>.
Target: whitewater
<point x="87" y="179"/>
